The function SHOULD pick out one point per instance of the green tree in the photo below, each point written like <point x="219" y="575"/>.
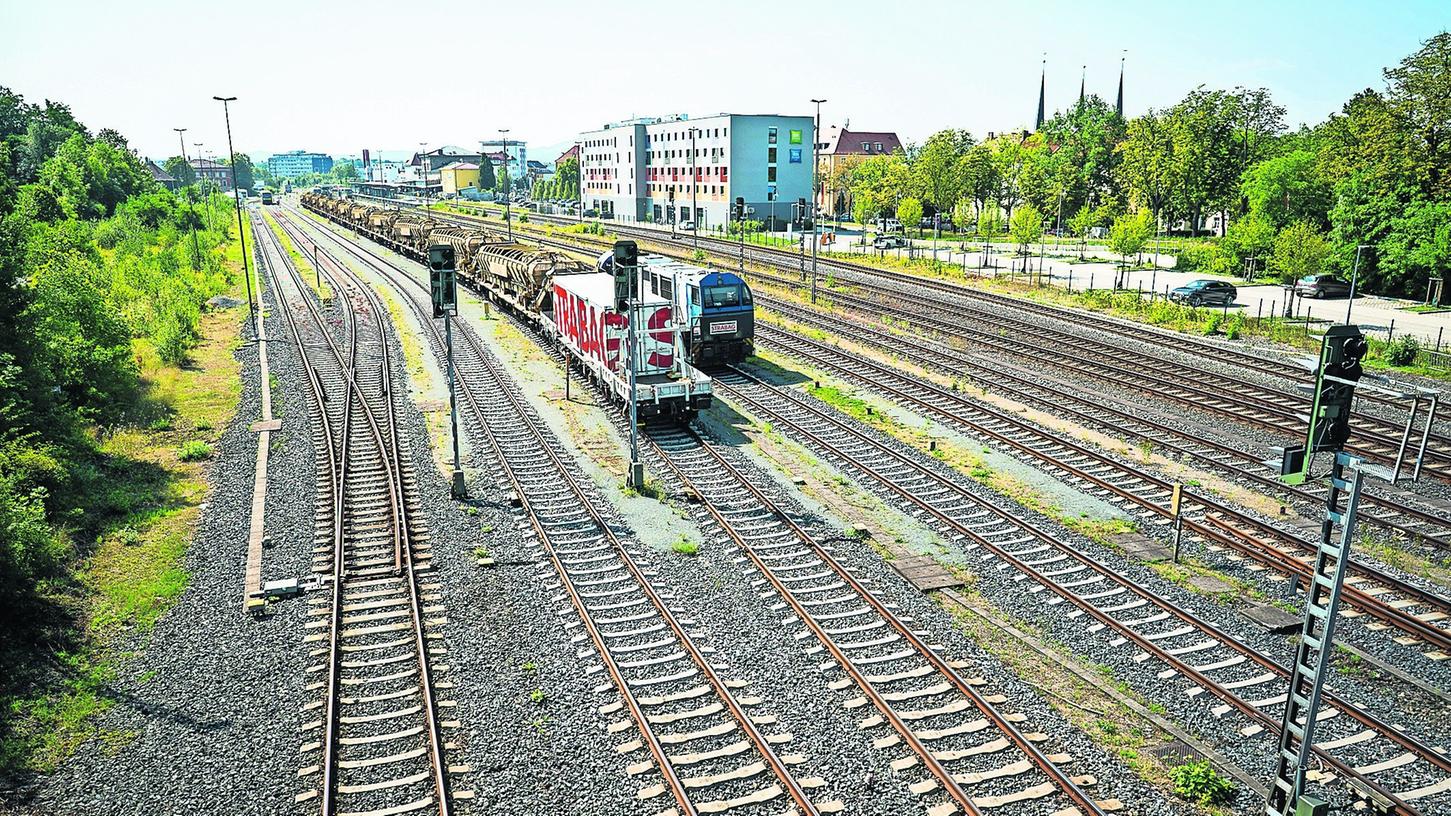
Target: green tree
<point x="1148" y="162"/>
<point x="936" y="171"/>
<point x="1026" y="227"/>
<point x="1081" y="222"/>
<point x="979" y="173"/>
<point x="1418" y="248"/>
<point x="1129" y="234"/>
<point x="1249" y="238"/>
<point x="1286" y="189"/>
<point x="246" y="173"/>
<point x="864" y="208"/>
<point x="1420" y="92"/>
<point x="345" y="171"/>
<point x="486" y="174"/>
<point x="567" y="177"/>
<point x="909" y="212"/>
<point x="1300" y="250"/>
<point x="179" y="169"/>
<point x="990" y="222"/>
<point x="1084" y="156"/>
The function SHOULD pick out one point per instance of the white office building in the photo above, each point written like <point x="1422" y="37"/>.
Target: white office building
<point x="517" y="151"/>
<point x="668" y="169"/>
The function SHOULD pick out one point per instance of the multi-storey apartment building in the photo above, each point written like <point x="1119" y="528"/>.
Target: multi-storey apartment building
<point x="676" y="168"/>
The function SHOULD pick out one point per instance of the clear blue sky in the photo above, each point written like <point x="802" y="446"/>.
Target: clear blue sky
<point x="338" y="77"/>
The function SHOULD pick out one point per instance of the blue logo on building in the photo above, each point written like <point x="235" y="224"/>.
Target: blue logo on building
<point x="795" y="155"/>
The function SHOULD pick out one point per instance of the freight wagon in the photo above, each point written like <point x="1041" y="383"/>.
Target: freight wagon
<point x="570" y="302"/>
<point x="582" y="317"/>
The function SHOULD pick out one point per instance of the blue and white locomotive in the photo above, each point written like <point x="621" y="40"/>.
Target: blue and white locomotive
<point x="715" y="309"/>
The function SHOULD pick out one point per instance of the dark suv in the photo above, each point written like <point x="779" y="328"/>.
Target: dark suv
<point x="1205" y="293"/>
<point x="1321" y="286"/>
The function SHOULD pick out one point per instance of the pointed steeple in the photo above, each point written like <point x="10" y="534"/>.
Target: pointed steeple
<point x="1042" y="87"/>
<point x="1082" y="85"/>
<point x="1119" y="105"/>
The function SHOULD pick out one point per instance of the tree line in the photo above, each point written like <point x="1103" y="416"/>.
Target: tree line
<point x="99" y="266"/>
<point x="1375" y="175"/>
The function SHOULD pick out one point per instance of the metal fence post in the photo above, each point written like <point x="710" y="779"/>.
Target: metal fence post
<point x="1391" y="332"/>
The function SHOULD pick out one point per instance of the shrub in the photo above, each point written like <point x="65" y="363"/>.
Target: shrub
<point x="195" y="451"/>
<point x="1211" y="326"/>
<point x="685" y="546"/>
<point x="1199" y="782"/>
<point x="1403" y="350"/>
<point x="1235" y="327"/>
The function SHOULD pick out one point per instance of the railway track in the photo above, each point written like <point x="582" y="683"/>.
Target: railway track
<point x="1196" y="657"/>
<point x="1157" y="374"/>
<point x="378" y="745"/>
<point x="697" y="729"/>
<point x="1422" y="616"/>
<point x="959" y="741"/>
<point x="1418" y="613"/>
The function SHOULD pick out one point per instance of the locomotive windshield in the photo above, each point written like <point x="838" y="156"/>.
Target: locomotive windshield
<point x="727" y="296"/>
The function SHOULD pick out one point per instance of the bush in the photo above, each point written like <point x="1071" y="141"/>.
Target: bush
<point x="1204" y="257"/>
<point x="1199" y="782"/>
<point x="1402" y="351"/>
<point x="195" y="451"/>
<point x="1211" y="326"/>
<point x="1235" y="327"/>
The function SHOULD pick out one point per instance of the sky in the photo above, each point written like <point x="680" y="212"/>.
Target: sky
<point x="338" y="77"/>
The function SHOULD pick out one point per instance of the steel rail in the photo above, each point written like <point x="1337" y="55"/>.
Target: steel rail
<point x="1020" y="387"/>
<point x="662" y="760"/>
<point x="1250" y="548"/>
<point x="1396" y="736"/>
<point x="390" y="456"/>
<point x="1064" y="782"/>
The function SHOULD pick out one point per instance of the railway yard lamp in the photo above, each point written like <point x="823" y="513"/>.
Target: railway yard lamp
<point x="815" y="136"/>
<point x="626" y="265"/>
<point x="241" y="231"/>
<point x="443" y="283"/>
<point x="196" y="250"/>
<point x="508" y="224"/>
<point x="694" y="187"/>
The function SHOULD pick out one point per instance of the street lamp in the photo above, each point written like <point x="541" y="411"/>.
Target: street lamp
<point x="423" y="173"/>
<point x="241" y="230"/>
<point x="196" y="257"/>
<point x="815" y="134"/>
<point x="508" y="224"/>
<point x="1354" y="278"/>
<point x="694" y="188"/>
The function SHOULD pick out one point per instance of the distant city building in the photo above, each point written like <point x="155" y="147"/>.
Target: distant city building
<point x="839" y="147"/>
<point x="642" y="169"/>
<point x="518" y="155"/>
<point x="213" y="171"/>
<point x="297" y="162"/>
<point x="458" y="176"/>
<point x="160" y="176"/>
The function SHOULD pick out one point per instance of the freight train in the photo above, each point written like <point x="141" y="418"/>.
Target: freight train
<point x="570" y="301"/>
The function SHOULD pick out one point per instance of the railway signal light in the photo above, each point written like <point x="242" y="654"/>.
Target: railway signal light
<point x="442" y="280"/>
<point x="1341" y="352"/>
<point x="627" y="257"/>
<point x="738" y="209"/>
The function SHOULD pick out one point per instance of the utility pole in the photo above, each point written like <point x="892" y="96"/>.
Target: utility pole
<point x="423" y="173"/>
<point x="740" y="218"/>
<point x="241" y="231"/>
<point x="508" y="224"/>
<point x="815" y="134"/>
<point x="1354" y="279"/>
<point x="694" y="188"/>
<point x="196" y="257"/>
<point x="626" y="267"/>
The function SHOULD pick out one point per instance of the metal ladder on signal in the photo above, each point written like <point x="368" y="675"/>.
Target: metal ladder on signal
<point x="1314" y="651"/>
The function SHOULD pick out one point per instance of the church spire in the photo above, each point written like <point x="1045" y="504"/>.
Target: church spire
<point x="1042" y="86"/>
<point x="1119" y="106"/>
<point x="1082" y="85"/>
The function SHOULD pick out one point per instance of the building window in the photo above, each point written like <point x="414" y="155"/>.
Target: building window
<point x="770" y="135"/>
<point x="771" y="173"/>
<point x="866" y="147"/>
<point x="770" y="155"/>
<point x="879" y="147"/>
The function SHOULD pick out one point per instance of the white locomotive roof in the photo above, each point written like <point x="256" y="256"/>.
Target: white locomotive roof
<point x="599" y="288"/>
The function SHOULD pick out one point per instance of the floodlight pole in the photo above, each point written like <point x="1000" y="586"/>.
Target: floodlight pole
<point x="815" y="134"/>
<point x="196" y="257"/>
<point x="241" y="231"/>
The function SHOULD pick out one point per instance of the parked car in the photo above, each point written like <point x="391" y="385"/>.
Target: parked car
<point x="1205" y="292"/>
<point x="1321" y="286"/>
<point x="889" y="242"/>
<point x="687" y="226"/>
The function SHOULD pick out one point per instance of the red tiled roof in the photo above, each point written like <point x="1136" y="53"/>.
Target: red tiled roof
<point x="841" y="142"/>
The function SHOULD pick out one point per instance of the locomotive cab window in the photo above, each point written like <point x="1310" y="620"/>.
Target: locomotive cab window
<point x="695" y="295"/>
<point x="727" y="296"/>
